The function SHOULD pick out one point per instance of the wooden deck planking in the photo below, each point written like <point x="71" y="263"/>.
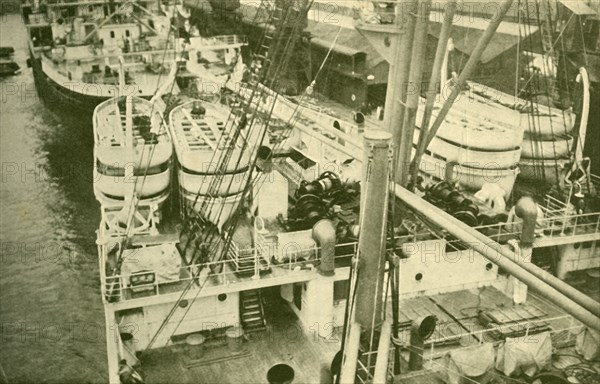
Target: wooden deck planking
<point x="557" y="318"/>
<point x="418" y="307"/>
<point x="464" y="305"/>
<point x="284" y="342"/>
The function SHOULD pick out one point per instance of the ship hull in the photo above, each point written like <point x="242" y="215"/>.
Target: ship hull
<point x="58" y="96"/>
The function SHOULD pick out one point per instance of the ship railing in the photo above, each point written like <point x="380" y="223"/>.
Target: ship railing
<point x="595" y="181"/>
<point x="554" y="225"/>
<point x="149" y="283"/>
<point x="553" y="206"/>
<point x="563" y="330"/>
<point x="218" y="41"/>
<point x="224" y="40"/>
<point x="127" y="286"/>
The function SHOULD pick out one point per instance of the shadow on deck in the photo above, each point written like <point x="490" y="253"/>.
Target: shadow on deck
<point x="222" y="360"/>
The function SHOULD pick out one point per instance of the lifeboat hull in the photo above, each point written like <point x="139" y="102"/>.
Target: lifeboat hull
<point x="140" y="157"/>
<point x="118" y="187"/>
<point x="207" y="161"/>
<point x="470" y="177"/>
<point x="469" y="130"/>
<point x="558" y="148"/>
<point x="228" y="184"/>
<point x="217" y="210"/>
<point x="547" y="171"/>
<point x="548" y="126"/>
<point x="474" y="157"/>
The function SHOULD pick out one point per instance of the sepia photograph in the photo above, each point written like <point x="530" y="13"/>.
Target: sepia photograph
<point x="300" y="191"/>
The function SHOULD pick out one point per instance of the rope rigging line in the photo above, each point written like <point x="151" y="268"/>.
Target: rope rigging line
<point x="227" y="154"/>
<point x="312" y="134"/>
<point x="135" y="202"/>
<point x="229" y="238"/>
<point x="517" y="77"/>
<point x="224" y="156"/>
<point x="546" y="73"/>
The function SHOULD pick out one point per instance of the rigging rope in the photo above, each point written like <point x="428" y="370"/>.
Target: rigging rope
<point x="230" y="230"/>
<point x="135" y="202"/>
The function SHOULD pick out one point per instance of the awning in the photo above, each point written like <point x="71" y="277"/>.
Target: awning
<point x="465" y="40"/>
<point x="349" y="40"/>
<point x="578" y="7"/>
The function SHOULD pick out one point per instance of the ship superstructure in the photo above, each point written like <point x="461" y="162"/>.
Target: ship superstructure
<point x="85" y="52"/>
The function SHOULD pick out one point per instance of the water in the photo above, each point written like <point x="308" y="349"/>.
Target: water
<point x="51" y="317"/>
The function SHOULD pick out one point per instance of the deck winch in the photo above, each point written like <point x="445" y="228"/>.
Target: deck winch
<point x="445" y="196"/>
<point x="327" y="182"/>
<point x="314" y="200"/>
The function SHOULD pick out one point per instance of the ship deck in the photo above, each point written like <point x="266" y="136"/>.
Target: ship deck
<point x="287" y="341"/>
<point x="220" y="361"/>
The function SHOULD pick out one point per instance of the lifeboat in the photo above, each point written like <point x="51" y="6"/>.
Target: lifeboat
<point x="214" y="152"/>
<point x="557" y="148"/>
<point x="545" y="125"/>
<point x="454" y="152"/>
<point x="132" y="151"/>
<point x="478" y="122"/>
<point x="469" y="177"/>
<point x="549" y="171"/>
<point x="545" y="160"/>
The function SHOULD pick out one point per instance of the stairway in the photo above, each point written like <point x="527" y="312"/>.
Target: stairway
<point x="245" y="264"/>
<point x="251" y="312"/>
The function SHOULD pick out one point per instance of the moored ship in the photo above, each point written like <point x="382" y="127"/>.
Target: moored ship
<point x="83" y="53"/>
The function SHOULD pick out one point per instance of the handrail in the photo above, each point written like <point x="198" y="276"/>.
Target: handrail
<point x="577" y="225"/>
<point x="113" y="287"/>
<point x="586" y="223"/>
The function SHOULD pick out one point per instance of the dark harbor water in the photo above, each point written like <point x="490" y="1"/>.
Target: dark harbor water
<point x="52" y="322"/>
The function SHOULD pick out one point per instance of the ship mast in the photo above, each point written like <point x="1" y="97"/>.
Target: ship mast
<point x="388" y="152"/>
<point x="367" y="314"/>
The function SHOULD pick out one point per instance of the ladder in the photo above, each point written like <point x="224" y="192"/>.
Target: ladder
<point x="281" y="32"/>
<point x="252" y="312"/>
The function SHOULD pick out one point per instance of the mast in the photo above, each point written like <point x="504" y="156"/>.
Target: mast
<point x="399" y="72"/>
<point x="404" y="141"/>
<point x="371" y="243"/>
<point x="371" y="256"/>
<point x="440" y="63"/>
<point x="365" y="330"/>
